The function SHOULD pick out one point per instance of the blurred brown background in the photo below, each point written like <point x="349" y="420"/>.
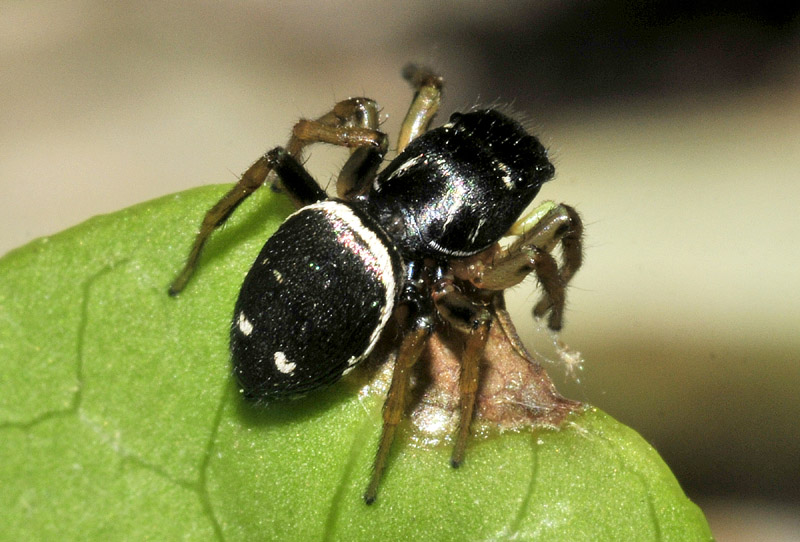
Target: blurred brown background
<point x="676" y="133"/>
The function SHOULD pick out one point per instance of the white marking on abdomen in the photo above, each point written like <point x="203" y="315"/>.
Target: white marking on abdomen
<point x="244" y="325"/>
<point x="376" y="258"/>
<point x="282" y="364"/>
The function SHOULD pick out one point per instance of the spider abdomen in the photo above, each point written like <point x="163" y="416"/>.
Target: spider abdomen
<point x="314" y="302"/>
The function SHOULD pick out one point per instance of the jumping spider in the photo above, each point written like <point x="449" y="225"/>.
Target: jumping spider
<point x="417" y="240"/>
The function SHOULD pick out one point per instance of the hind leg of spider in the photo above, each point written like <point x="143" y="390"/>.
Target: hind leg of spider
<point x="278" y="160"/>
<point x="552" y="225"/>
<point x="473" y="318"/>
<point x="414" y="341"/>
<point x="427" y="97"/>
<point x="349" y="124"/>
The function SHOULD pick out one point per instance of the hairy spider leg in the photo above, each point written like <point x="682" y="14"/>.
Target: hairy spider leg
<point x="562" y="225"/>
<point x="474" y="319"/>
<point x="343" y="126"/>
<point x="419" y="327"/>
<point x="427" y="97"/>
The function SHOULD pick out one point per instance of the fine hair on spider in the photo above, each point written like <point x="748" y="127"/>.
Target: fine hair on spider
<point x="416" y="241"/>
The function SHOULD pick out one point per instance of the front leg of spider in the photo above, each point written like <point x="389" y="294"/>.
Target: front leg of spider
<point x="461" y="312"/>
<point x="416" y="314"/>
<point x="472" y="317"/>
<point x="539" y="233"/>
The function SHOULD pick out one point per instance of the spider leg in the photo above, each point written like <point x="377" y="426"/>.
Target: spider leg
<point x="427" y="97"/>
<point x="358" y="171"/>
<point x="278" y="159"/>
<point x="414" y="341"/>
<point x="572" y="258"/>
<point x="559" y="224"/>
<point x="350" y="113"/>
<point x="550" y="224"/>
<point x="352" y="123"/>
<point x="474" y="319"/>
<point x="349" y="124"/>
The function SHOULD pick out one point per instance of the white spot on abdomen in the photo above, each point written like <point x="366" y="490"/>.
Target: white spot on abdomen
<point x="283" y="364"/>
<point x="244" y="325"/>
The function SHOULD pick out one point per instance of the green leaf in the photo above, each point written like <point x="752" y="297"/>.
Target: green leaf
<point x="119" y="420"/>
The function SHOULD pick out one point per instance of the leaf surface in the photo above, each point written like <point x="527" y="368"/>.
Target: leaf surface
<point x="119" y="419"/>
